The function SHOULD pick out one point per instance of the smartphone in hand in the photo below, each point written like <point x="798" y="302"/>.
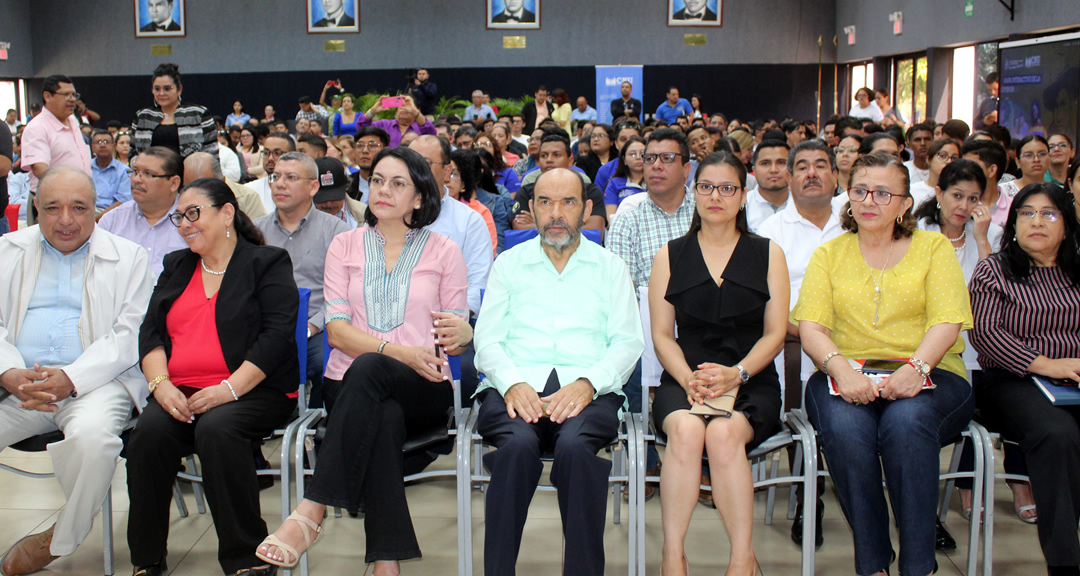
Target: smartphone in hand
<point x="392" y="102"/>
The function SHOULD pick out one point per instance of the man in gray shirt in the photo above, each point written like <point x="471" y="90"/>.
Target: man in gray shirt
<point x="305" y="233"/>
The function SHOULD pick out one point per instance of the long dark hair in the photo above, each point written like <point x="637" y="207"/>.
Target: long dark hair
<point x="613" y="150"/>
<point x="496" y="151"/>
<point x="1015" y="261"/>
<point x="623" y="171"/>
<point x="725" y="159"/>
<point x="219" y="194"/>
<point x="954" y="172"/>
<point x="487" y="176"/>
<point x="468" y="166"/>
<point x="420" y="173"/>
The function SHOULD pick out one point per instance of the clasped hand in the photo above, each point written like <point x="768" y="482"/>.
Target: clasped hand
<point x="38" y="389"/>
<point x="452" y="332"/>
<point x="711" y="381"/>
<point x="522" y="400"/>
<point x="184" y="409"/>
<point x="858" y="388"/>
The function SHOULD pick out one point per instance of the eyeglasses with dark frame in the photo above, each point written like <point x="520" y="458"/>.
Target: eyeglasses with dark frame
<point x="131" y="172"/>
<point x="881" y="197"/>
<point x="665" y="157"/>
<point x="704" y="189"/>
<point x="192" y="214"/>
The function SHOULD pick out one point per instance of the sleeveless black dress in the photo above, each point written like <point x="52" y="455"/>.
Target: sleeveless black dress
<point x="720" y="324"/>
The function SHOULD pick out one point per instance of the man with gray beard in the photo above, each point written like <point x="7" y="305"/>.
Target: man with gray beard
<point x="558" y="336"/>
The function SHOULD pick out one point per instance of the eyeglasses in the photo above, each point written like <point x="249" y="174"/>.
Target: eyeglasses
<point x="368" y="146"/>
<point x="278" y="153"/>
<point x="881" y="197"/>
<point x="848" y="150"/>
<point x="68" y="95"/>
<point x="431" y="163"/>
<point x="289" y="178"/>
<point x="192" y="214"/>
<point x="455" y="175"/>
<point x="1059" y="146"/>
<point x="484" y="144"/>
<point x="1031" y="155"/>
<point x="598" y="136"/>
<point x="143" y="174"/>
<point x="946" y="157"/>
<point x="102" y="142"/>
<point x="707" y="189"/>
<point x="1046" y="215"/>
<point x="396" y="186"/>
<point x="665" y="157"/>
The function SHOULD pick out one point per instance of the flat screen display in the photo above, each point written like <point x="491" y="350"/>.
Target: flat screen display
<point x="1040" y="87"/>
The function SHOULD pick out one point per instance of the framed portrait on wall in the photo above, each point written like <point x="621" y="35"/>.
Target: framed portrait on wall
<point x="159" y="18"/>
<point x="513" y="14"/>
<point x="695" y="13"/>
<point x="333" y="16"/>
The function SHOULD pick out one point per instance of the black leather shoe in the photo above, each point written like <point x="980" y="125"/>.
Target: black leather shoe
<point x="153" y="570"/>
<point x="797" y="525"/>
<point x="943" y="540"/>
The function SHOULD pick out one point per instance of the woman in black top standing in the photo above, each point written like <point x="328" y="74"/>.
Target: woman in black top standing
<point x="186" y="128"/>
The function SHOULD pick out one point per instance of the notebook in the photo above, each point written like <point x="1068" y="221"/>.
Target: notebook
<point x="1057" y="393"/>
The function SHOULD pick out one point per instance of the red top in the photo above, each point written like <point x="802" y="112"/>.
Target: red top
<point x="197" y="361"/>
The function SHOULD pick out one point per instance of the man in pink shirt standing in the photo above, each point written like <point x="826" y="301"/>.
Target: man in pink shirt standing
<point x="53" y="138"/>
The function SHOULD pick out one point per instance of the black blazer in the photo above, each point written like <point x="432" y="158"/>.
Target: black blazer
<point x="709" y="16"/>
<point x="346" y="20"/>
<point x="526" y="18"/>
<point x="256" y="311"/>
<point x="151" y="27"/>
<point x="528" y="113"/>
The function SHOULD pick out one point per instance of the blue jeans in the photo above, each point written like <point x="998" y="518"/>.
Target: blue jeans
<point x="904" y="438"/>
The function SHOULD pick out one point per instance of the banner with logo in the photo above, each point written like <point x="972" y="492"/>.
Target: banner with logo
<point x="609" y="81"/>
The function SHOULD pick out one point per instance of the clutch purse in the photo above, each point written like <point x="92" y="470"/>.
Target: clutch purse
<point x="722" y="406"/>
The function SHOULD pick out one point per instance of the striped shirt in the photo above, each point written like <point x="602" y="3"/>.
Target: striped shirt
<point x="637" y="235"/>
<point x="195" y="128"/>
<point x="1017" y="322"/>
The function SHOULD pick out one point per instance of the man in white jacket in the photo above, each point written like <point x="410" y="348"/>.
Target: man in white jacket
<point x="72" y="299"/>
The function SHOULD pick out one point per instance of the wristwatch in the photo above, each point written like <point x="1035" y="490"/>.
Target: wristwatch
<point x="921" y="367"/>
<point x="743" y="373"/>
<point x="157" y="380"/>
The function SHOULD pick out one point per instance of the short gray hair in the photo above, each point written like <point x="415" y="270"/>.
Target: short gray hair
<point x="61" y="170"/>
<point x="310" y="168"/>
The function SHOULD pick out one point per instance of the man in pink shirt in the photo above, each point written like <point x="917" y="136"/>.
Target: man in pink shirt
<point x="53" y="138"/>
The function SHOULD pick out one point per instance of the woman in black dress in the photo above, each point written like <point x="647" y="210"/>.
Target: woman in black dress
<point x="728" y="291"/>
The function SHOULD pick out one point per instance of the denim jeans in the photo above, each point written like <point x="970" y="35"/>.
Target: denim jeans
<point x="904" y="438"/>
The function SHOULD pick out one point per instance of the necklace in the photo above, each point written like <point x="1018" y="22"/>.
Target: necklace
<point x="879" y="283"/>
<point x="209" y="271"/>
<point x="958" y="238"/>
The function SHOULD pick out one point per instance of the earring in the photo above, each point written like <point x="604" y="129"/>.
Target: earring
<point x="417" y="207"/>
<point x="939" y="205"/>
<point x="1014" y="238"/>
<point x="849" y="212"/>
<point x="899" y="220"/>
<point x="227" y="233"/>
<point x="742" y="207"/>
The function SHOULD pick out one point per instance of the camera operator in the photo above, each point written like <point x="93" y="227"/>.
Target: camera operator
<point x="423" y="91"/>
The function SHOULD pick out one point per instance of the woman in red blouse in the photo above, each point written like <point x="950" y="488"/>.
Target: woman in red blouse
<point x="219" y="353"/>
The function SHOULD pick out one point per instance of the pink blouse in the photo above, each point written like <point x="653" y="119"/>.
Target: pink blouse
<point x="429" y="275"/>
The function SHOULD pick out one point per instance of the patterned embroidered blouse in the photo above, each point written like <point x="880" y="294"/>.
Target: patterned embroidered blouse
<point x="429" y="275"/>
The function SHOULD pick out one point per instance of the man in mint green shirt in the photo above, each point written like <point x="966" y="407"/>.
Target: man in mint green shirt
<point x="557" y="338"/>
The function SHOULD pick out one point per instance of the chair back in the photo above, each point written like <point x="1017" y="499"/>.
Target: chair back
<point x="512" y="238"/>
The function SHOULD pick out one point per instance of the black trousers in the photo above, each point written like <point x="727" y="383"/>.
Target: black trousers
<point x="222" y="439"/>
<point x="579" y="475"/>
<point x="1049" y="437"/>
<point x="373" y="409"/>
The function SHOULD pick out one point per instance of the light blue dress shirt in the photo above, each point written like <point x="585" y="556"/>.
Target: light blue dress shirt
<point x="127" y="221"/>
<point x="112" y="183"/>
<point x="583" y="323"/>
<point x="466" y="228"/>
<point x="50" y="331"/>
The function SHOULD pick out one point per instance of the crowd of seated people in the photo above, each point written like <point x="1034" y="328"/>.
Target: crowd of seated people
<point x="159" y="273"/>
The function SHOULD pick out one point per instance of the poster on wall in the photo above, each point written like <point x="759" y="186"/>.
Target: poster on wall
<point x="513" y="14"/>
<point x="695" y="13"/>
<point x="333" y="16"/>
<point x="609" y="84"/>
<point x="159" y="18"/>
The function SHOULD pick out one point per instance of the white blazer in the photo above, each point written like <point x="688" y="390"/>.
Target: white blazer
<point x="116" y="292"/>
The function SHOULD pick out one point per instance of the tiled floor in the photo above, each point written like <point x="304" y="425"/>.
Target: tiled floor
<point x="29" y="506"/>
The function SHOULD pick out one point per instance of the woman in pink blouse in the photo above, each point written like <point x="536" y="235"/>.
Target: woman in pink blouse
<point x="395" y="307"/>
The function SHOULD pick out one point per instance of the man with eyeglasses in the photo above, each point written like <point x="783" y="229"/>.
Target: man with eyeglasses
<point x="771" y="194"/>
<point x="155" y="184"/>
<point x="274" y="146"/>
<point x="70" y="362"/>
<point x="369" y="142"/>
<point x="111" y="180"/>
<point x="206" y="165"/>
<point x="653" y="219"/>
<point x="53" y="137"/>
<point x="305" y="233"/>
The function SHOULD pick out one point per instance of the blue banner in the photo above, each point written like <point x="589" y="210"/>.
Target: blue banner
<point x="609" y="80"/>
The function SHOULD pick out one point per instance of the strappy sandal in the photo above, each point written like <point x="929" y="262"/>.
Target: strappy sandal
<point x="1020" y="514"/>
<point x="307" y="526"/>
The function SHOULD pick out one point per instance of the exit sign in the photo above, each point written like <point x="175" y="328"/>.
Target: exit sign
<point x="969" y="8"/>
<point x="4" y="50"/>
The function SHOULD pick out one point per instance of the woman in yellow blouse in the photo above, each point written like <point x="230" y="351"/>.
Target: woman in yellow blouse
<point x="563" y="110"/>
<point x="885" y="291"/>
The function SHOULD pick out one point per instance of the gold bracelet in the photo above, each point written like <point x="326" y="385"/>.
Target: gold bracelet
<point x="825" y="362"/>
<point x="157" y="380"/>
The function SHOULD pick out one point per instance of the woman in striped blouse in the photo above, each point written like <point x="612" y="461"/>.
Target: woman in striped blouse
<point x="1026" y="304"/>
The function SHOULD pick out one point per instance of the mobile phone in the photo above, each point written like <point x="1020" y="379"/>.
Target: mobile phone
<point x="333" y="83"/>
<point x="392" y="102"/>
<point x="882" y="366"/>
